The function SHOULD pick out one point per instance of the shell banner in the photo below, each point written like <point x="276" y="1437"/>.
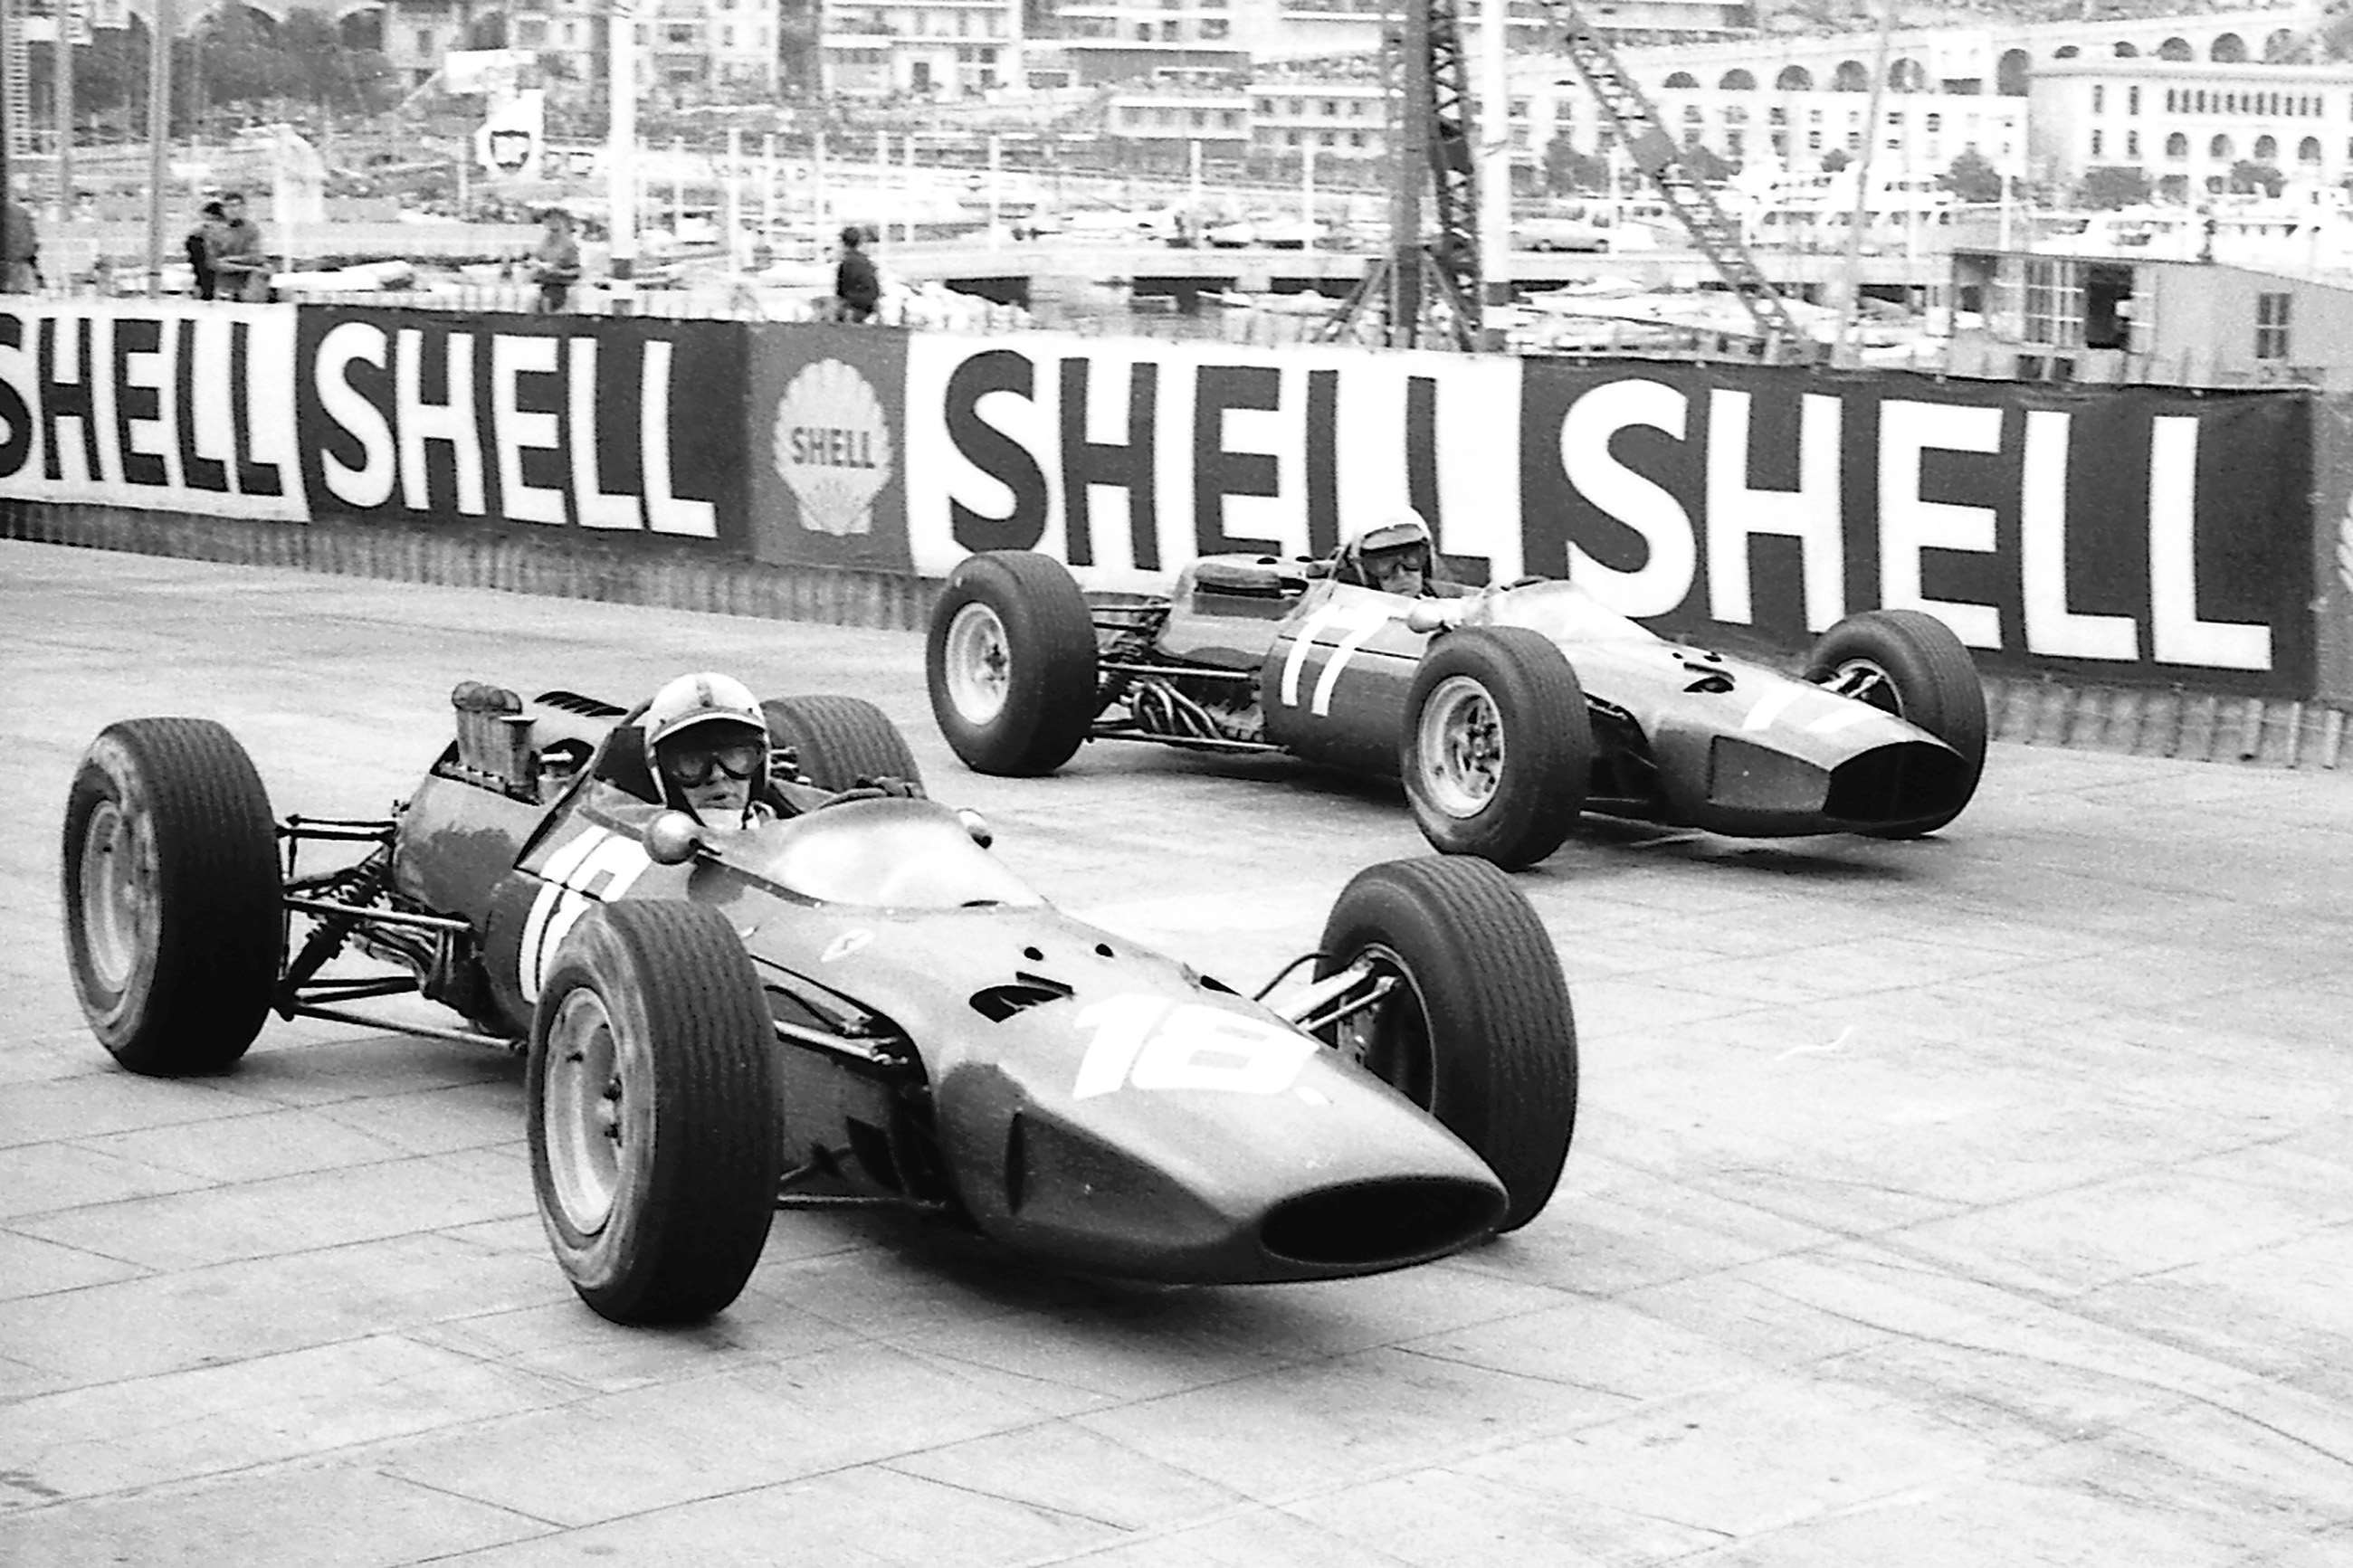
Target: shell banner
<point x="827" y="445"/>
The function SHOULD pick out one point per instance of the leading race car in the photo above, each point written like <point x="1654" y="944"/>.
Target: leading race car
<point x="1506" y="712"/>
<point x="854" y="1000"/>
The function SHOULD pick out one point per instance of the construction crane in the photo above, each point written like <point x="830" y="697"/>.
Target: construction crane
<point x="1426" y="292"/>
<point x="1422" y="291"/>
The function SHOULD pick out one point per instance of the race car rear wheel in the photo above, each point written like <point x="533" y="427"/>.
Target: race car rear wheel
<point x="1476" y="1025"/>
<point x="651" y="1097"/>
<point x="840" y="739"/>
<point x="1010" y="659"/>
<point x="173" y="929"/>
<point x="1497" y="752"/>
<point x="1910" y="664"/>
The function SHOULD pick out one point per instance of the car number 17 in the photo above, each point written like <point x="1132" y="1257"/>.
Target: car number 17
<point x="1355" y="621"/>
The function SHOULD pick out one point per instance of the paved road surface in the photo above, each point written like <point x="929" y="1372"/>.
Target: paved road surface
<point x="1983" y="1200"/>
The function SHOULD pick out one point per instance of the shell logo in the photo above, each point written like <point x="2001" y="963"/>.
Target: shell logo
<point x="831" y="445"/>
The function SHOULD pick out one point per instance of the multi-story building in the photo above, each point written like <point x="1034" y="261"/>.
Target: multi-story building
<point x="2186" y="124"/>
<point x="417" y="33"/>
<point x="566" y="37"/>
<point x="919" y="48"/>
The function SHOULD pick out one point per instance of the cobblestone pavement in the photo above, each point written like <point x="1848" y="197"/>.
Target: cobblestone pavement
<point x="1979" y="1200"/>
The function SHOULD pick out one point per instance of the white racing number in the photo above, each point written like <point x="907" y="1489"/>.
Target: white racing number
<point x="594" y="867"/>
<point x="1152" y="1043"/>
<point x="1354" y="622"/>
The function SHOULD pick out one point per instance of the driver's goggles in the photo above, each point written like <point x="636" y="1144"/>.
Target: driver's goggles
<point x="691" y="764"/>
<point x="1410" y="558"/>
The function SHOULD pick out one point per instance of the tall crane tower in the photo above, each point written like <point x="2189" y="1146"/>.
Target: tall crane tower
<point x="1426" y="292"/>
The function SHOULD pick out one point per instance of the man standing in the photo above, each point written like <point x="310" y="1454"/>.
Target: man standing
<point x="856" y="285"/>
<point x="555" y="264"/>
<point x="240" y="267"/>
<point x="20" y="249"/>
<point x="200" y="243"/>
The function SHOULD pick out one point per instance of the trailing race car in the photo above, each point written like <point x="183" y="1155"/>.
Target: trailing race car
<point x="856" y="1000"/>
<point x="1506" y="712"/>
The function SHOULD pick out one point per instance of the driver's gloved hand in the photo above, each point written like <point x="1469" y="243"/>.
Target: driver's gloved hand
<point x="891" y="785"/>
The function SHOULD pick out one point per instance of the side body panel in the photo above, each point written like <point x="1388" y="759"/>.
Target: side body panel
<point x="1333" y="686"/>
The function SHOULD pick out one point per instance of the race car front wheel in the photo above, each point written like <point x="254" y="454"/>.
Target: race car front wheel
<point x="173" y="930"/>
<point x="1010" y="659"/>
<point x="1497" y="752"/>
<point x="1910" y="664"/>
<point x="651" y="1097"/>
<point x="1476" y="1024"/>
<point x="840" y="739"/>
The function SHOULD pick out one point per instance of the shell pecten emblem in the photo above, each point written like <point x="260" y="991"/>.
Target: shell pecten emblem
<point x="831" y="445"/>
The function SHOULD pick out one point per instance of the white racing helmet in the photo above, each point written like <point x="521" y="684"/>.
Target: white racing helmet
<point x="1400" y="529"/>
<point x="700" y="699"/>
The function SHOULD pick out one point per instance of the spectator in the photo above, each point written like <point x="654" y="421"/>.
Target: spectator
<point x="555" y="264"/>
<point x="857" y="287"/>
<point x="201" y="239"/>
<point x="240" y="267"/>
<point x="20" y="249"/>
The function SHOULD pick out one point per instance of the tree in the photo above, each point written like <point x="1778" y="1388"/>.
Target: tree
<point x="1834" y="160"/>
<point x="1566" y="169"/>
<point x="1972" y="177"/>
<point x="2112" y="185"/>
<point x="2247" y="177"/>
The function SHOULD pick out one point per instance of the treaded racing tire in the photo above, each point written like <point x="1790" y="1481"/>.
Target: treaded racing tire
<point x="1479" y="1033"/>
<point x="840" y="739"/>
<point x="1497" y="749"/>
<point x="173" y="932"/>
<point x="651" y="1099"/>
<point x="1910" y="664"/>
<point x="1011" y="663"/>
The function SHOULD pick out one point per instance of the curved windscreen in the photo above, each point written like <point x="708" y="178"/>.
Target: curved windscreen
<point x="895" y="854"/>
<point x="1562" y="611"/>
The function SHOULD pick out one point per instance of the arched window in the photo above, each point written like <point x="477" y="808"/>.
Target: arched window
<point x="2221" y="150"/>
<point x="2267" y="148"/>
<point x="2127" y="51"/>
<point x="1907" y="76"/>
<point x="2009" y="73"/>
<point x="2065" y="52"/>
<point x="2229" y="48"/>
<point x="1795" y="78"/>
<point x="2176" y="49"/>
<point x="1850" y="77"/>
<point x="1681" y="79"/>
<point x="1737" y="81"/>
<point x="2176" y="146"/>
<point x="2308" y="150"/>
<point x="2280" y="46"/>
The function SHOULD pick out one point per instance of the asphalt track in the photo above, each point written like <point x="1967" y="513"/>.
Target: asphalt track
<point x="1982" y="1200"/>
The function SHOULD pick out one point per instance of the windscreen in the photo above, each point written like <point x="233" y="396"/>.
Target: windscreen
<point x="890" y="854"/>
<point x="1562" y="611"/>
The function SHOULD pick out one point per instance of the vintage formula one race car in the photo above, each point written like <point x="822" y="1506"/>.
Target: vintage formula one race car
<point x="1506" y="712"/>
<point x="857" y="1000"/>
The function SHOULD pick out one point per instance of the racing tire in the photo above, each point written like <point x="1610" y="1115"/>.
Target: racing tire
<point x="173" y="932"/>
<point x="1479" y="1030"/>
<point x="1910" y="664"/>
<point x="1497" y="750"/>
<point x="1010" y="659"/>
<point x="651" y="1097"/>
<point x="840" y="739"/>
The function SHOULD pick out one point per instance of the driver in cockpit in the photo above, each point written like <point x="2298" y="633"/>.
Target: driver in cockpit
<point x="708" y="742"/>
<point x="1394" y="555"/>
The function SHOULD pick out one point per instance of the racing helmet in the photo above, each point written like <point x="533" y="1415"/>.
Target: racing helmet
<point x="700" y="699"/>
<point x="1400" y="529"/>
